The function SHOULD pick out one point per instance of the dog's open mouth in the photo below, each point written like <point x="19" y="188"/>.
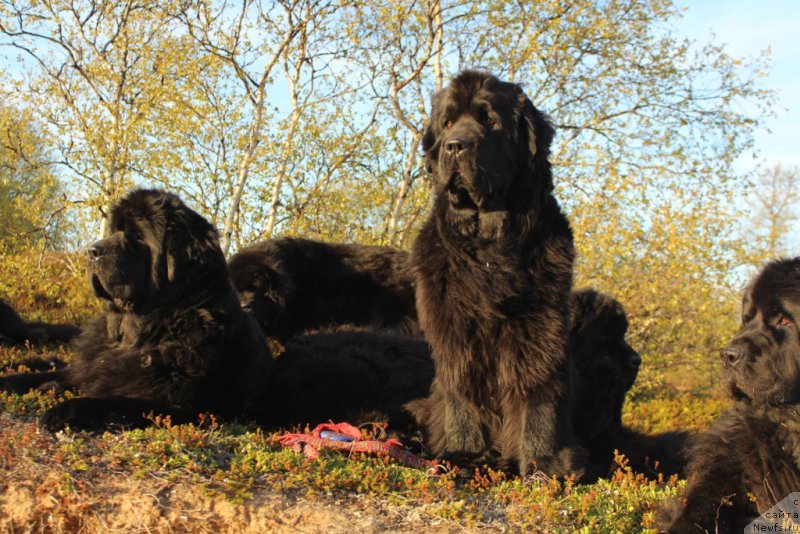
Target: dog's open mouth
<point x="775" y="398"/>
<point x="736" y="392"/>
<point x="458" y="195"/>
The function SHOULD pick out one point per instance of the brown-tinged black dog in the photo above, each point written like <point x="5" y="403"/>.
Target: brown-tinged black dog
<point x="749" y="460"/>
<point x="493" y="267"/>
<point x="175" y="341"/>
<point x="607" y="367"/>
<point x="292" y="285"/>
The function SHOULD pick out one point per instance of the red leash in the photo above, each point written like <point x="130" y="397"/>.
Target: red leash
<point x="346" y="437"/>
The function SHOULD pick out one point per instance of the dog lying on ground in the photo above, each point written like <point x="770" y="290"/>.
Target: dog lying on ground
<point x="749" y="459"/>
<point x="292" y="285"/>
<point x="174" y="341"/>
<point x="17" y="330"/>
<point x="607" y="367"/>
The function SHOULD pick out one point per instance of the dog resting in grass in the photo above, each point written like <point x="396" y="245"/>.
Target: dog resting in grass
<point x="292" y="285"/>
<point x="749" y="460"/>
<point x="17" y="330"/>
<point x="175" y="341"/>
<point x="607" y="367"/>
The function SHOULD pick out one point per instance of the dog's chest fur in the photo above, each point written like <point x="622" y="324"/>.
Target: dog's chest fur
<point x="164" y="356"/>
<point x="778" y="452"/>
<point x="764" y="441"/>
<point x="495" y="312"/>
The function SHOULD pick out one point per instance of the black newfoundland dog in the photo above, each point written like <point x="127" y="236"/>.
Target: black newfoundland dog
<point x="292" y="285"/>
<point x="493" y="267"/>
<point x="607" y="367"/>
<point x="750" y="458"/>
<point x="175" y="341"/>
<point x="16" y="330"/>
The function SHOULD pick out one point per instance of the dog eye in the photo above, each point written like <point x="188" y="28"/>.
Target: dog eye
<point x="491" y="123"/>
<point x="448" y="125"/>
<point x="783" y="321"/>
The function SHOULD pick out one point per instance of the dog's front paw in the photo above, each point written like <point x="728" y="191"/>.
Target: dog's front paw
<point x="463" y="431"/>
<point x="14" y="384"/>
<point x="77" y="414"/>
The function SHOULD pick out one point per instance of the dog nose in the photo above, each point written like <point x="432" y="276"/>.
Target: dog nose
<point x="456" y="145"/>
<point x="731" y="356"/>
<point x="95" y="251"/>
<point x="636" y="361"/>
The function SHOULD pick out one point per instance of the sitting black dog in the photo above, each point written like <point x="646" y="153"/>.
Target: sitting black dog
<point x="175" y="341"/>
<point x="493" y="267"/>
<point x="750" y="458"/>
<point x="17" y="330"/>
<point x="607" y="367"/>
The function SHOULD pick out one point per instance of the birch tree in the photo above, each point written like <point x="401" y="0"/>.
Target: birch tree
<point x="252" y="41"/>
<point x="772" y="212"/>
<point x="95" y="71"/>
<point x="31" y="196"/>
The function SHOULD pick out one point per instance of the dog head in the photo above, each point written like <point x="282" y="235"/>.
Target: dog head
<point x="607" y="365"/>
<point x="259" y="277"/>
<point x="158" y="251"/>
<point x="487" y="146"/>
<point x="762" y="362"/>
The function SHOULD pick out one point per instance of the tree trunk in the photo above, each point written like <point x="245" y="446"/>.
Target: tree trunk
<point x="253" y="138"/>
<point x="392" y="230"/>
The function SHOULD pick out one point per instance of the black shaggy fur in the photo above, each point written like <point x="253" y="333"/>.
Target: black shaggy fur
<point x="379" y="374"/>
<point x="606" y="369"/>
<point x="16" y="330"/>
<point x="750" y="458"/>
<point x="176" y="342"/>
<point x="493" y="266"/>
<point x="292" y="285"/>
<point x="173" y="339"/>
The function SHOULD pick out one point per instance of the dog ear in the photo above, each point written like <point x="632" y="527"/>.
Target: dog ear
<point x="746" y="302"/>
<point x="582" y="302"/>
<point x="191" y="243"/>
<point x="538" y="134"/>
<point x="429" y="144"/>
<point x="428" y="141"/>
<point x="150" y="227"/>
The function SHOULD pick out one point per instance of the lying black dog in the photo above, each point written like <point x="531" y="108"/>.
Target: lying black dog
<point x="750" y="458"/>
<point x="17" y="330"/>
<point x="293" y="285"/>
<point x="176" y="342"/>
<point x="350" y="376"/>
<point x="607" y="367"/>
